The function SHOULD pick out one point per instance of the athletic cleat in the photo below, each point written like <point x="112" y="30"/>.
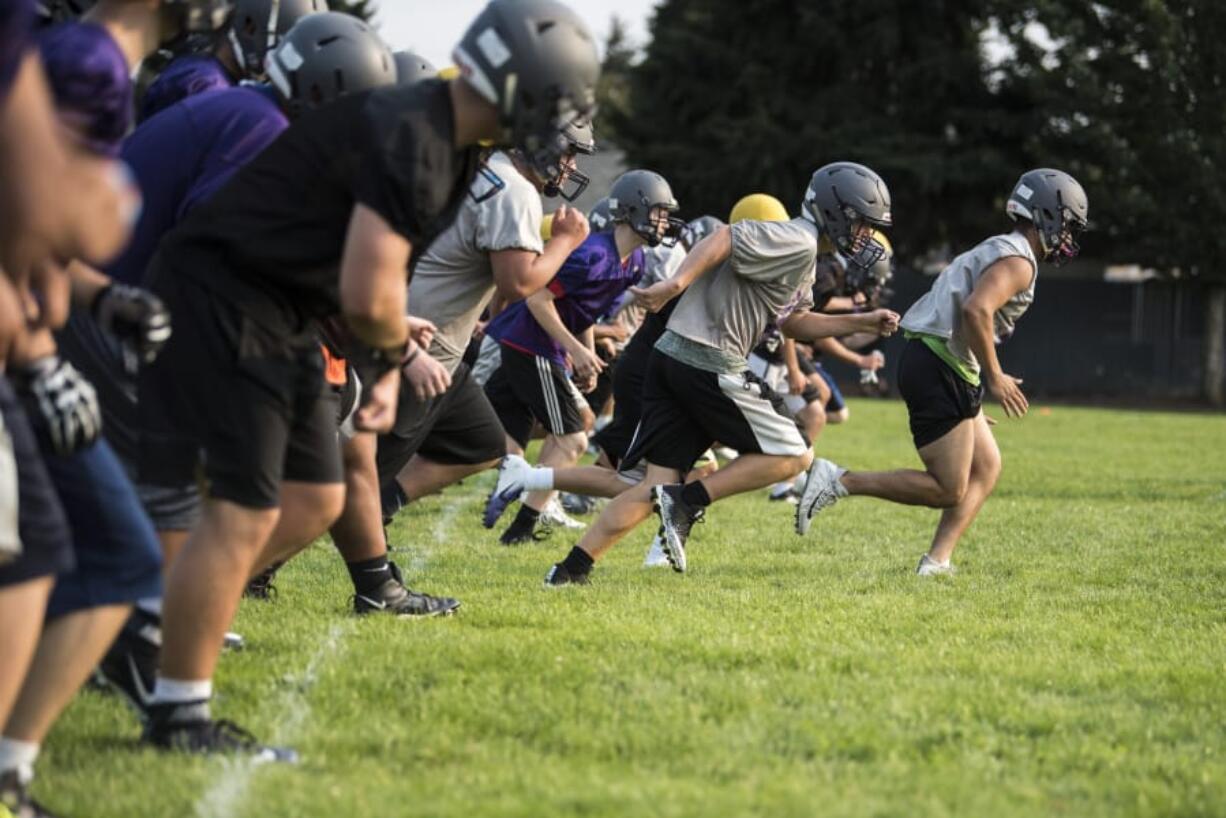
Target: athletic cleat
<point x="233" y="641"/>
<point x="578" y="503"/>
<point x="15" y="800"/>
<point x="261" y="586"/>
<point x="553" y="516"/>
<point x="130" y="666"/>
<point x="507" y="490"/>
<point x="725" y="453"/>
<point x="656" y="558"/>
<point x="559" y="576"/>
<point x="676" y="520"/>
<point x="519" y="532"/>
<point x="396" y="598"/>
<point x="822" y="489"/>
<point x="169" y="728"/>
<point x="929" y="567"/>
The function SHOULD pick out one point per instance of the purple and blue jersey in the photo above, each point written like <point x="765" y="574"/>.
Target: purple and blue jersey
<point x="90" y="83"/>
<point x="590" y="283"/>
<point x="185" y="77"/>
<point x="184" y="155"/>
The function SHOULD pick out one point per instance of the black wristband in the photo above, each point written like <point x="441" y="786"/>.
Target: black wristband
<point x="373" y="364"/>
<point x="97" y="299"/>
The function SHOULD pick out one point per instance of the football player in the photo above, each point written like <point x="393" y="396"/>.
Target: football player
<point x="949" y="360"/>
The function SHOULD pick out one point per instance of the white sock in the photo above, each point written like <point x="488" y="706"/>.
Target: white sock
<point x="151" y="606"/>
<point x="539" y="478"/>
<point x="19" y="756"/>
<point x="177" y="691"/>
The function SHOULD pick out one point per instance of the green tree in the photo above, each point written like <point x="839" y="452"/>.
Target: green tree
<point x="613" y="91"/>
<point x="1133" y="101"/>
<point x="740" y="96"/>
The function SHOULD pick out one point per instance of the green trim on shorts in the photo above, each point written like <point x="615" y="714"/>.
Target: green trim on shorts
<point x="940" y="347"/>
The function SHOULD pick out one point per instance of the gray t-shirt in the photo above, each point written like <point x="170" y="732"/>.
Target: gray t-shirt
<point x="938" y="313"/>
<point x="723" y="314"/>
<point x="454" y="280"/>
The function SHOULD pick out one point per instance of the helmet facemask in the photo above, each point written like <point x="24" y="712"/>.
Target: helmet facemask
<point x="560" y="172"/>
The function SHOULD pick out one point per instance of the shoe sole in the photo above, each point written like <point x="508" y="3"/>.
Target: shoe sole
<point x="804" y="507"/>
<point x="496" y="505"/>
<point x="673" y="549"/>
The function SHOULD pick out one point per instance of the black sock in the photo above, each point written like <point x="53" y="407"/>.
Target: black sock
<point x="526" y="518"/>
<point x="695" y="495"/>
<point x="577" y="562"/>
<point x="393" y="498"/>
<point x="368" y="575"/>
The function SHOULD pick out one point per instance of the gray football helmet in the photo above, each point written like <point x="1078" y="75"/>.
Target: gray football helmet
<point x="1057" y="206"/>
<point x="536" y="62"/>
<point x="599" y="217"/>
<point x="699" y="229"/>
<point x="256" y="26"/>
<point x="411" y="68"/>
<point x="634" y="196"/>
<point x="325" y="56"/>
<point x="843" y="199"/>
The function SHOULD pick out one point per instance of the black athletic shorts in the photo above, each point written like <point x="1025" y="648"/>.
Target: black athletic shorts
<point x="242" y="389"/>
<point x="42" y="526"/>
<point x="687" y="410"/>
<point x="937" y="398"/>
<point x="458" y="427"/>
<point x="628" y="376"/>
<point x="528" y="388"/>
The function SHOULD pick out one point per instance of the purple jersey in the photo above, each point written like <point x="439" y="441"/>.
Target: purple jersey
<point x="16" y="19"/>
<point x="184" y="155"/>
<point x="185" y="77"/>
<point x="89" y="80"/>
<point x="590" y="282"/>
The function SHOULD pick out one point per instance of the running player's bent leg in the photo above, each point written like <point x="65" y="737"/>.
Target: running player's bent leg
<point x="558" y="451"/>
<point x="985" y="469"/>
<point x="947" y="461"/>
<point x="307" y="511"/>
<point x="206" y="583"/>
<point x="625" y="512"/>
<point x="750" y="472"/>
<point x="423" y="476"/>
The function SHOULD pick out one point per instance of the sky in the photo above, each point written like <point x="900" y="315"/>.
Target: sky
<point x="431" y="28"/>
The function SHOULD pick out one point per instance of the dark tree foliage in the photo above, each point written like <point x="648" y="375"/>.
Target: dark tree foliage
<point x="613" y="92"/>
<point x="1133" y="102"/>
<point x="741" y="96"/>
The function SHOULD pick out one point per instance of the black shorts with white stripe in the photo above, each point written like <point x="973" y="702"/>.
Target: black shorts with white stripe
<point x="687" y="410"/>
<point x="528" y="388"/>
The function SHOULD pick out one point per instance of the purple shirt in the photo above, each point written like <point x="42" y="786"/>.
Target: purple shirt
<point x="184" y="155"/>
<point x="186" y="76"/>
<point x="89" y="80"/>
<point x="590" y="282"/>
<point x="16" y="19"/>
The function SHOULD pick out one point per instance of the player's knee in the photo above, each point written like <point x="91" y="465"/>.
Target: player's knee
<point x="574" y="444"/>
<point x="949" y="495"/>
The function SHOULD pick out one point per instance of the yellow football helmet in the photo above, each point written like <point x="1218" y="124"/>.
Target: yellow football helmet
<point x="758" y="207"/>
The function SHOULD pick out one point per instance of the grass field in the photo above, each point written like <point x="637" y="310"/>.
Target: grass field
<point x="1076" y="665"/>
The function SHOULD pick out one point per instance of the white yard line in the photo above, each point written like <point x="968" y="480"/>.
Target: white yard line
<point x="226" y="797"/>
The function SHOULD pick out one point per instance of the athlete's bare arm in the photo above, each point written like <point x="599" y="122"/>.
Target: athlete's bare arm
<point x="1000" y="282"/>
<point x="541" y="305"/>
<point x="520" y="273"/>
<point x="708" y="254"/>
<point x="810" y="326"/>
<point x="374" y="297"/>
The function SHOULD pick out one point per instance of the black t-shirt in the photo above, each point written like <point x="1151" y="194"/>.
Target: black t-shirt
<point x="280" y="223"/>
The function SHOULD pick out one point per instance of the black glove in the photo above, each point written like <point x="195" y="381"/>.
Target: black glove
<point x="61" y="405"/>
<point x="136" y="317"/>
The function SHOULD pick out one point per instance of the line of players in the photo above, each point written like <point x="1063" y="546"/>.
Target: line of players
<point x="291" y="170"/>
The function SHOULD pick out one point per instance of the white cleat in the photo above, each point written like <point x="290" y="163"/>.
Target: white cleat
<point x="656" y="558"/>
<point x="784" y="491"/>
<point x="512" y="472"/>
<point x="929" y="567"/>
<point x="822" y="489"/>
<point x="553" y="515"/>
